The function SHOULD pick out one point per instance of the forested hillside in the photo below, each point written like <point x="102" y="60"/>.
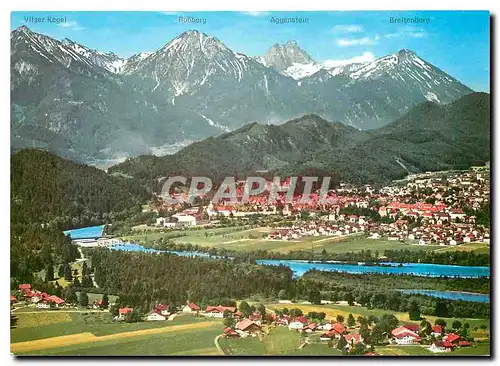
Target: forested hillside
<point x="428" y="137"/>
<point x="46" y="188"/>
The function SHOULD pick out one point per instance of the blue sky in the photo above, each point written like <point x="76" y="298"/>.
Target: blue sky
<point x="457" y="42"/>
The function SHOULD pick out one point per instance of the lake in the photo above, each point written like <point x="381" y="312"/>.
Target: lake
<point x="417" y="269"/>
<point x="451" y="295"/>
<point x="90" y="232"/>
<point x="133" y="247"/>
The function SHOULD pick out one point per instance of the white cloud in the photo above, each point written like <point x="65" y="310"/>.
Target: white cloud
<point x="392" y="35"/>
<point x="71" y="25"/>
<point x="365" y="57"/>
<point x="417" y="34"/>
<point x="365" y="41"/>
<point x="348" y="28"/>
<point x="412" y="32"/>
<point x="256" y="13"/>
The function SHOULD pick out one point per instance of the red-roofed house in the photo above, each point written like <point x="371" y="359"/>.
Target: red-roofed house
<point x="353" y="338"/>
<point x="437" y="330"/>
<point x="124" y="311"/>
<point x="336" y="330"/>
<point x="327" y="336"/>
<point x="248" y="326"/>
<point x="162" y="309"/>
<point x="310" y="327"/>
<point x="413" y="327"/>
<point x="218" y="311"/>
<point x="57" y="300"/>
<point x="25" y="287"/>
<point x="156" y="315"/>
<point x="452" y="338"/>
<point x="339" y="329"/>
<point x="403" y="335"/>
<point x="302" y="319"/>
<point x="230" y="333"/>
<point x="191" y="307"/>
<point x="464" y="343"/>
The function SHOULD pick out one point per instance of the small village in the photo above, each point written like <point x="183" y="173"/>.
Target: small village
<point x="429" y="210"/>
<point x="350" y="336"/>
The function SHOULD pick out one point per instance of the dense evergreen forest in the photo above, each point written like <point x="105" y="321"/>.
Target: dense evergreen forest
<point x="50" y="194"/>
<point x="34" y="248"/>
<point x="141" y="279"/>
<point x="376" y="281"/>
<point x="144" y="278"/>
<point x="46" y="188"/>
<point x="429" y="137"/>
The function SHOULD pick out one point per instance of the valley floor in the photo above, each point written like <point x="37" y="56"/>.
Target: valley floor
<point x="62" y="332"/>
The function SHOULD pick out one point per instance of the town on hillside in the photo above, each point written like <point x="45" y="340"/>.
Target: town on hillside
<point x="439" y="208"/>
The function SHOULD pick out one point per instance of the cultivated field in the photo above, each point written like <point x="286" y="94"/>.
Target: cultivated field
<point x="185" y="335"/>
<point x="478" y="248"/>
<point x="248" y="239"/>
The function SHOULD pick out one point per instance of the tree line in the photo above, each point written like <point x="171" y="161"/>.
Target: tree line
<point x="142" y="279"/>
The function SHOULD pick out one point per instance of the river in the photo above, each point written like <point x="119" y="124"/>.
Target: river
<point x="416" y="269"/>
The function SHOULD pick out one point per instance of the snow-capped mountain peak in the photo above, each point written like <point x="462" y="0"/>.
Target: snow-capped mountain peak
<point x="189" y="61"/>
<point x="403" y="59"/>
<point x="108" y="61"/>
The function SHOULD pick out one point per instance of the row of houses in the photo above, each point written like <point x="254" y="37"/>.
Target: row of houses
<point x="403" y="335"/>
<point x="319" y="228"/>
<point x="42" y="299"/>
<point x="447" y="233"/>
<point x="243" y="328"/>
<point x="409" y="335"/>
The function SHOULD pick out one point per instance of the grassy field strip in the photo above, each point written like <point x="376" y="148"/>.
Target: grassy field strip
<point x="235" y="241"/>
<point x="475" y="246"/>
<point x="55" y="342"/>
<point x="41" y="319"/>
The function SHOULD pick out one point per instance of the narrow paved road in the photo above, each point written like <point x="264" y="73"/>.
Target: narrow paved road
<point x="219" y="348"/>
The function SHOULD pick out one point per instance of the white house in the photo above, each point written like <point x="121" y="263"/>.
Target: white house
<point x="437" y="331"/>
<point x="184" y="219"/>
<point x="295" y="325"/>
<point x="168" y="222"/>
<point x="437" y="347"/>
<point x="43" y="305"/>
<point x="191" y="308"/>
<point x="156" y="316"/>
<point x="403" y="335"/>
